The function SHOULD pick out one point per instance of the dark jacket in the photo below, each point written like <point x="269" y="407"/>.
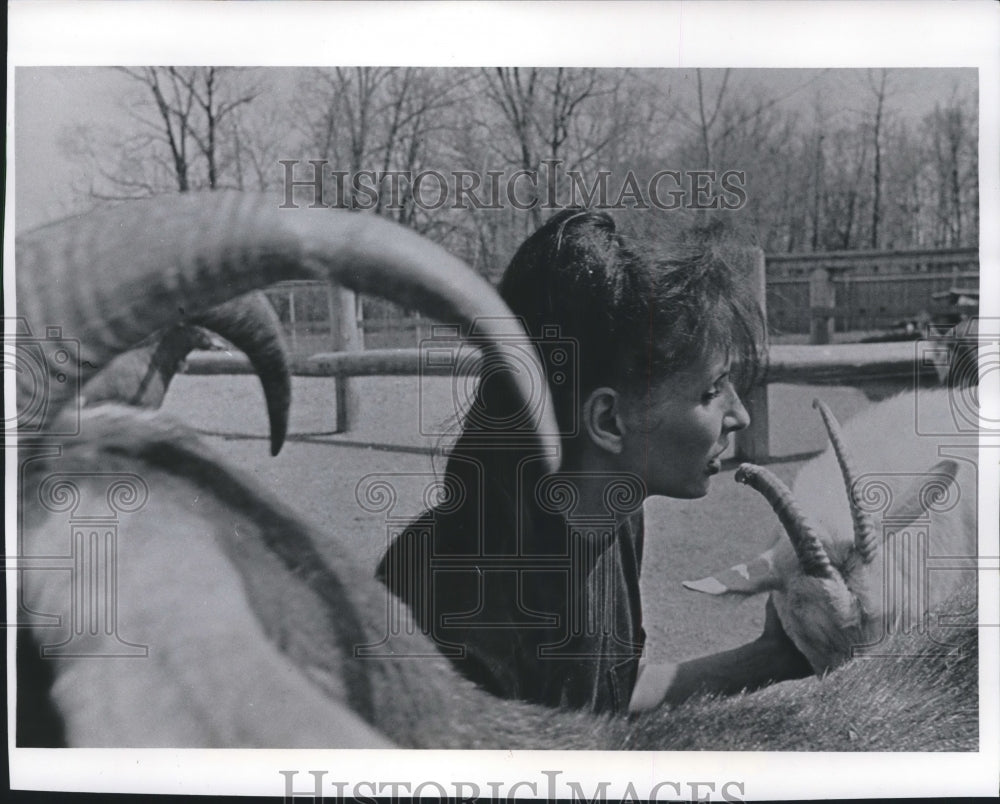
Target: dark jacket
<point x="555" y="619"/>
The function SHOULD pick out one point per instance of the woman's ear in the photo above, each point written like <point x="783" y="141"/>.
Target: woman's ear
<point x="603" y="421"/>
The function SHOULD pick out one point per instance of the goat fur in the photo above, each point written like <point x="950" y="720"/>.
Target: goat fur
<point x="252" y="637"/>
<point x="830" y="619"/>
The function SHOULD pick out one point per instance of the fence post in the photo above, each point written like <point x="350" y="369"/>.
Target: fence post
<point x="342" y="309"/>
<point x="291" y="322"/>
<point x="822" y="299"/>
<point x="753" y="443"/>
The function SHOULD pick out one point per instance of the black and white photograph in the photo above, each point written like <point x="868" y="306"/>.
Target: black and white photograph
<point x="543" y="400"/>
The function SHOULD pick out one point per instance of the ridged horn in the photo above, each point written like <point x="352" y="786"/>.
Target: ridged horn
<point x="141" y="376"/>
<point x="864" y="531"/>
<point x="251" y="324"/>
<point x="110" y="278"/>
<point x="812" y="556"/>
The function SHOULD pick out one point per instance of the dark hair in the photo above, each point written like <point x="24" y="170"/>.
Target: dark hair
<point x="637" y="315"/>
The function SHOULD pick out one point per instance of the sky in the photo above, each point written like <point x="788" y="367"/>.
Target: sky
<point x="51" y="100"/>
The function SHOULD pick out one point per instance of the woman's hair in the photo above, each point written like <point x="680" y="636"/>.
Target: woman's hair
<point x="636" y="313"/>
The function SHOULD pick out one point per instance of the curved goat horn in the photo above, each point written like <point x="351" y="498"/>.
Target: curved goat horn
<point x="141" y="376"/>
<point x="864" y="530"/>
<point x="808" y="547"/>
<point x="110" y="278"/>
<point x="250" y="323"/>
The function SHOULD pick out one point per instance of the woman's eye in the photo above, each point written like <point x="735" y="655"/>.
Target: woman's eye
<point x="720" y="384"/>
<point x="720" y="387"/>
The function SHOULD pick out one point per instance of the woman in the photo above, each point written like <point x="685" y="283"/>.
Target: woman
<point x="531" y="582"/>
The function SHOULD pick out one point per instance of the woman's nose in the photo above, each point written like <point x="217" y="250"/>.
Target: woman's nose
<point x="736" y="417"/>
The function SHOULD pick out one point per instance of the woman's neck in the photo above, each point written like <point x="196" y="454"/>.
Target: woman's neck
<point x="601" y="488"/>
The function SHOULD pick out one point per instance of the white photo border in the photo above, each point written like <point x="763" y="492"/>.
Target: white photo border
<point x="643" y="34"/>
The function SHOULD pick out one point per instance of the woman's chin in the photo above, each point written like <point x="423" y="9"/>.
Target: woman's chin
<point x="692" y="491"/>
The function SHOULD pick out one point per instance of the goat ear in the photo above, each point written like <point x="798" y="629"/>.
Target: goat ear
<point x="914" y="498"/>
<point x="758" y="575"/>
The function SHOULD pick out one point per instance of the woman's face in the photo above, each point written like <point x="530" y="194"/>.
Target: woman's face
<point x="677" y="431"/>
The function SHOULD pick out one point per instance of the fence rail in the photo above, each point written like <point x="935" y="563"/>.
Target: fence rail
<point x="900" y="261"/>
<point x="834" y="364"/>
<point x="847" y="291"/>
<point x="864" y="291"/>
<point x="880" y="364"/>
<point x="813" y="293"/>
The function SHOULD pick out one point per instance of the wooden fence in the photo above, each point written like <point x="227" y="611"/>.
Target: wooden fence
<point x="847" y="291"/>
<point x="880" y="364"/>
<point x="821" y="289"/>
<point x="819" y="294"/>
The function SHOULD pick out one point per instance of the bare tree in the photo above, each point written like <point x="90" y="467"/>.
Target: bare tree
<point x="847" y="165"/>
<point x="821" y="123"/>
<point x="374" y="119"/>
<point x="259" y="136"/>
<point x="878" y="87"/>
<point x="952" y="152"/>
<point x="180" y="139"/>
<point x="708" y="112"/>
<point x="515" y="94"/>
<point x="554" y="117"/>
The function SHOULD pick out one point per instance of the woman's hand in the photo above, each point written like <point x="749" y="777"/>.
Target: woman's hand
<point x="769" y="658"/>
<point x="651" y="686"/>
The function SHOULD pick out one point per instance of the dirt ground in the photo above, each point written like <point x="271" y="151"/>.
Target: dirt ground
<point x="319" y="475"/>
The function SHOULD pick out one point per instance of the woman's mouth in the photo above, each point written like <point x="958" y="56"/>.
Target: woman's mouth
<point x="715" y="462"/>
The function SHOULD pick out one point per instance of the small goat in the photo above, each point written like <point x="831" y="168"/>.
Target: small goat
<point x="254" y="638"/>
<point x="855" y="565"/>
